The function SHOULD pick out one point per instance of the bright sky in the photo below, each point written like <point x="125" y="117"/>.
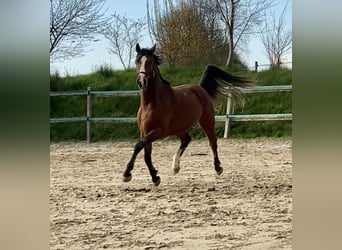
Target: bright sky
<point x="98" y="52"/>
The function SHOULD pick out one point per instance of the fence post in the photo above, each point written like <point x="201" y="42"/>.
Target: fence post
<point x="256" y="66"/>
<point x="89" y="114"/>
<point x="229" y="111"/>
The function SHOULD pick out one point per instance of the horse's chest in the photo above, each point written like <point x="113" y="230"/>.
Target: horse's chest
<point x="152" y="117"/>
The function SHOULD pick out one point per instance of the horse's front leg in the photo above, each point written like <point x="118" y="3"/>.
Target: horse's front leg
<point x="127" y="176"/>
<point x="152" y="136"/>
<point x="148" y="161"/>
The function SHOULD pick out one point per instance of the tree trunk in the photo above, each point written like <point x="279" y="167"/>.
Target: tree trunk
<point x="230" y="49"/>
<point x="231" y="32"/>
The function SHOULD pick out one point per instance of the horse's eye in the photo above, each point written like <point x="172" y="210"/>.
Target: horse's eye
<point x="137" y="60"/>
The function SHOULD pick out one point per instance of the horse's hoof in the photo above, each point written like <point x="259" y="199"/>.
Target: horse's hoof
<point x="157" y="181"/>
<point x="175" y="171"/>
<point x="219" y="172"/>
<point x="127" y="178"/>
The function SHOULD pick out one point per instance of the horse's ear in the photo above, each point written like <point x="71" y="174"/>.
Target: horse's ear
<point x="153" y="48"/>
<point x="137" y="48"/>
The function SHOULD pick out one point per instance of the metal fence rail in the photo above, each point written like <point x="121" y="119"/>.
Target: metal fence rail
<point x="219" y="118"/>
<point x="253" y="117"/>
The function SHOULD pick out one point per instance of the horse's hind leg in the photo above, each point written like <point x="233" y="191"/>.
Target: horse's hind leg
<point x="217" y="163"/>
<point x="185" y="140"/>
<point x="148" y="161"/>
<point x="208" y="125"/>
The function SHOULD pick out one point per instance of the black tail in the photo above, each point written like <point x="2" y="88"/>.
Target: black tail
<point x="216" y="81"/>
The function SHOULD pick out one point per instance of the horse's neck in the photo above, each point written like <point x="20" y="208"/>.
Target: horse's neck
<point x="150" y="95"/>
<point x="157" y="91"/>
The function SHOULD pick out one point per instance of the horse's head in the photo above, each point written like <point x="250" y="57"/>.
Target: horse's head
<point x="145" y="63"/>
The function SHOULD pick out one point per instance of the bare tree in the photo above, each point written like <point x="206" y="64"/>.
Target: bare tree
<point x="276" y="39"/>
<point x="73" y="25"/>
<point x="240" y="17"/>
<point x="123" y="34"/>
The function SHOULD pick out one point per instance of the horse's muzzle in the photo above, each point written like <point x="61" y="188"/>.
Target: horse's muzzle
<point x="142" y="81"/>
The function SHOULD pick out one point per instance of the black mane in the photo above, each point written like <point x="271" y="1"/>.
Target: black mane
<point x="147" y="52"/>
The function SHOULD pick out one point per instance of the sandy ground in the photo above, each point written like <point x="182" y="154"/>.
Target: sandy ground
<point x="248" y="207"/>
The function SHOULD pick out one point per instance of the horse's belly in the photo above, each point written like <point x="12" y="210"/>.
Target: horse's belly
<point x="188" y="111"/>
<point x="184" y="120"/>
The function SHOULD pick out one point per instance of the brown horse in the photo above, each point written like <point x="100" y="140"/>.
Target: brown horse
<point x="165" y="111"/>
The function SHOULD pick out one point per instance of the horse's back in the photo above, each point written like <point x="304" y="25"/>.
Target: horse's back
<point x="192" y="98"/>
<point x="196" y="92"/>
